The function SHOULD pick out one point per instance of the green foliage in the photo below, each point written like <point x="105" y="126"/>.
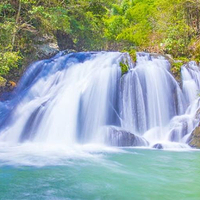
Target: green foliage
<point x="131" y="22"/>
<point x="132" y="53"/>
<point x="162" y="26"/>
<point x="8" y="61"/>
<point x="176" y="67"/>
<point x="177" y="64"/>
<point x="184" y="60"/>
<point x="53" y="18"/>
<point x="2" y="81"/>
<point x="115" y="25"/>
<point x="23" y="21"/>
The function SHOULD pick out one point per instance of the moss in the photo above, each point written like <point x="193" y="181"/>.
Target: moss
<point x="124" y="64"/>
<point x="183" y="59"/>
<point x="124" y="67"/>
<point x="197" y="59"/>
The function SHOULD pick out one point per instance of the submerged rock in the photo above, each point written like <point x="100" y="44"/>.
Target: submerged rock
<point x="170" y="145"/>
<point x="194" y="139"/>
<point x="158" y="146"/>
<point x="116" y="136"/>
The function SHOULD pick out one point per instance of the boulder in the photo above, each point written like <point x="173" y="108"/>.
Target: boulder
<point x="197" y="116"/>
<point x="194" y="139"/>
<point x="45" y="47"/>
<point x="158" y="146"/>
<point x="170" y="145"/>
<point x="116" y="136"/>
<point x="46" y="50"/>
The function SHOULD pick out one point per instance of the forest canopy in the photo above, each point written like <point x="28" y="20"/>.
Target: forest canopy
<point x="161" y="26"/>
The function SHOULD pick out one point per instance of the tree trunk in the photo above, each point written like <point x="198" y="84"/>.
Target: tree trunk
<point x="197" y="20"/>
<point x="16" y="24"/>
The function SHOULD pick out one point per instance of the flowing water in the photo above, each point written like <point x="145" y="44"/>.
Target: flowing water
<point x="83" y="98"/>
<point x="58" y="126"/>
<point x="59" y="173"/>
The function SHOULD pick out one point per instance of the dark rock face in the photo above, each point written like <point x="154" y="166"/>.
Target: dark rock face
<point x="158" y="146"/>
<point x="194" y="139"/>
<point x="122" y="138"/>
<point x="64" y="41"/>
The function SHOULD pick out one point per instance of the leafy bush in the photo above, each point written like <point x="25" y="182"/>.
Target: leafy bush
<point x="8" y="61"/>
<point x="2" y="81"/>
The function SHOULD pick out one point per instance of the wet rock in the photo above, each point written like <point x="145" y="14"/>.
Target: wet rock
<point x="44" y="47"/>
<point x="158" y="146"/>
<point x="197" y="115"/>
<point x="116" y="136"/>
<point x="46" y="50"/>
<point x="169" y="57"/>
<point x="194" y="139"/>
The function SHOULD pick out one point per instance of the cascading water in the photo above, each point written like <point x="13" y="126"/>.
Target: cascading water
<point x="151" y="93"/>
<point x="83" y="98"/>
<point x="64" y="99"/>
<point x="163" y="113"/>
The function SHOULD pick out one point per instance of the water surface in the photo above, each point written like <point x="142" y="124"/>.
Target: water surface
<point x="99" y="174"/>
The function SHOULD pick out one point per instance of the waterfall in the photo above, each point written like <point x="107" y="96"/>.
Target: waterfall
<point x="152" y="95"/>
<point x="82" y="98"/>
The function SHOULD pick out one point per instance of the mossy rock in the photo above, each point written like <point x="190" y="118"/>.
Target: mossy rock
<point x="2" y="82"/>
<point x="124" y="67"/>
<point x="176" y="68"/>
<point x="132" y="53"/>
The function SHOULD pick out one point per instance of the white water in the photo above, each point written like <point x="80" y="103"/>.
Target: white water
<point x="69" y="99"/>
